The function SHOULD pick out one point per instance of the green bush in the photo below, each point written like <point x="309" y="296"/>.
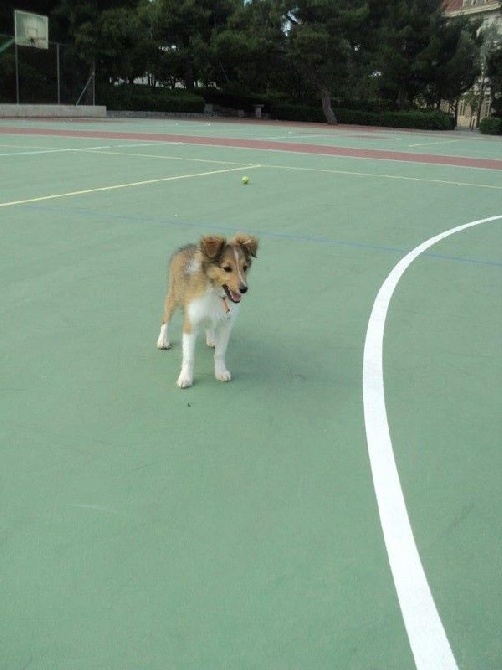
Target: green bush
<point x="422" y="119"/>
<point x="425" y="120"/>
<point x="291" y="112"/>
<point x="491" y="125"/>
<point x="234" y="100"/>
<point x="139" y="98"/>
<point x="373" y="105"/>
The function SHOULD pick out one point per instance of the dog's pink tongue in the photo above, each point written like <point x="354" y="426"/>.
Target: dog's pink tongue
<point x="236" y="297"/>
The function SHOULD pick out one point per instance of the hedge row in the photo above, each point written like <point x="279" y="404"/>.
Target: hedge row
<point x="377" y="106"/>
<point x="422" y="119"/>
<point x="233" y="100"/>
<point x="491" y="126"/>
<point x="425" y="120"/>
<point x="140" y="98"/>
<point x="292" y="112"/>
<point x="271" y="101"/>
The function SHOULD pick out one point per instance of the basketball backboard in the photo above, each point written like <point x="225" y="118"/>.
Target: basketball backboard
<point x="31" y="30"/>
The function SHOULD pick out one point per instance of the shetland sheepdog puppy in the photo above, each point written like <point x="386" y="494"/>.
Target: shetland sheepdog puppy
<point x="207" y="280"/>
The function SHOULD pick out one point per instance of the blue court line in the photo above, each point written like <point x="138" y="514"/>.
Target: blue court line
<point x="312" y="239"/>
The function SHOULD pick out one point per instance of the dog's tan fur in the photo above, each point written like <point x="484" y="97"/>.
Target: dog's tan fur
<point x="207" y="281"/>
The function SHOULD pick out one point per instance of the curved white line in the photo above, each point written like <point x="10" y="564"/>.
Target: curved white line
<point x="429" y="644"/>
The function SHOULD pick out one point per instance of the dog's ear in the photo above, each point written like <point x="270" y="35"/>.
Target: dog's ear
<point x="249" y="244"/>
<point x="212" y="246"/>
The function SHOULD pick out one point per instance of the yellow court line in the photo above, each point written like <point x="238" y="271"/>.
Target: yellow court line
<point x="117" y="186"/>
<point x="379" y="176"/>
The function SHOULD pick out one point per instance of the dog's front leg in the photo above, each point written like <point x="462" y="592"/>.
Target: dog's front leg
<point x="210" y="337"/>
<point x="220" y="369"/>
<point x="163" y="340"/>
<point x="186" y="375"/>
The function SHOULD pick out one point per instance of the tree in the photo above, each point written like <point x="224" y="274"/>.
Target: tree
<point x="409" y="36"/>
<point x="491" y="68"/>
<point x="453" y="61"/>
<point x="102" y="38"/>
<point x="323" y="41"/>
<point x="494" y="73"/>
<point x="184" y="30"/>
<point x="249" y="53"/>
<point x="125" y="43"/>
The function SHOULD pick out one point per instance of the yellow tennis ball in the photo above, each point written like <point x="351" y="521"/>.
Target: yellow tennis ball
<point x="245" y="180"/>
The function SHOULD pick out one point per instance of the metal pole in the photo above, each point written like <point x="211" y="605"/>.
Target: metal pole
<point x="59" y="78"/>
<point x="94" y="82"/>
<point x="17" y="74"/>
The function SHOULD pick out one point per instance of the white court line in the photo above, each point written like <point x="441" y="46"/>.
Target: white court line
<point x="32" y="152"/>
<point x="304" y="169"/>
<point x="379" y="176"/>
<point x="426" y="144"/>
<point x="118" y="146"/>
<point x="426" y="634"/>
<point x="146" y="182"/>
<point x="161" y="157"/>
<point x="105" y="151"/>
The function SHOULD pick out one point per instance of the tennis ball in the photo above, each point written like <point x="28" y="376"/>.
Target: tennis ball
<point x="245" y="180"/>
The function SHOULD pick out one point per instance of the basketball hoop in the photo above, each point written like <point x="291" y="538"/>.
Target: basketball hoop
<point x="31" y="30"/>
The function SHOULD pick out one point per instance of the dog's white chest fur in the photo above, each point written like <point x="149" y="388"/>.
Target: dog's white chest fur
<point x="210" y="308"/>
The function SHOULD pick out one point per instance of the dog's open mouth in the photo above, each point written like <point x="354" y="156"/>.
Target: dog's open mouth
<point x="234" y="297"/>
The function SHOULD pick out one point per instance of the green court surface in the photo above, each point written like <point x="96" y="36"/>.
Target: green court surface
<point x="259" y="524"/>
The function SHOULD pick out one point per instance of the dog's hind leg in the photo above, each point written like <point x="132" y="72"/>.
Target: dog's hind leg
<point x="169" y="307"/>
<point x="186" y="374"/>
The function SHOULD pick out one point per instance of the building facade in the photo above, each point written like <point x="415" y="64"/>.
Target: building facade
<point x="476" y="103"/>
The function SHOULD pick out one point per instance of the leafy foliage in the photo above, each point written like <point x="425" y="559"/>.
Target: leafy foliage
<point x="308" y="52"/>
<point x="145" y="98"/>
<point x="491" y="126"/>
<point x="494" y="74"/>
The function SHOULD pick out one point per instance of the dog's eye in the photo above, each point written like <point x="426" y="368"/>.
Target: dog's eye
<point x="227" y="269"/>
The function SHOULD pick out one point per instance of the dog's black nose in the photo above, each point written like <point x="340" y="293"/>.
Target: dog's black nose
<point x="243" y="289"/>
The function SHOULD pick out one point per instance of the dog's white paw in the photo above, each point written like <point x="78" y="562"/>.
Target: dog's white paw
<point x="223" y="376"/>
<point x="210" y="338"/>
<point x="184" y="381"/>
<point x="163" y="341"/>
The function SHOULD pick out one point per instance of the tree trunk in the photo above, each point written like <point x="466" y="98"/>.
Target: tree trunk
<point x="482" y="90"/>
<point x="189" y="75"/>
<point x="188" y="70"/>
<point x="326" y="107"/>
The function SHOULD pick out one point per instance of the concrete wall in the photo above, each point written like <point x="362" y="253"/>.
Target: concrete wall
<point x="52" y="111"/>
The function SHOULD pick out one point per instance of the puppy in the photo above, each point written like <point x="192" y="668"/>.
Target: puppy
<point x="207" y="281"/>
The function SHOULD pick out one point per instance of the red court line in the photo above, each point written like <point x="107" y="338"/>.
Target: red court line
<point x="377" y="154"/>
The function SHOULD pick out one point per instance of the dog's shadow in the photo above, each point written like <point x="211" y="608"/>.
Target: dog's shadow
<point x="266" y="361"/>
<point x="269" y="361"/>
